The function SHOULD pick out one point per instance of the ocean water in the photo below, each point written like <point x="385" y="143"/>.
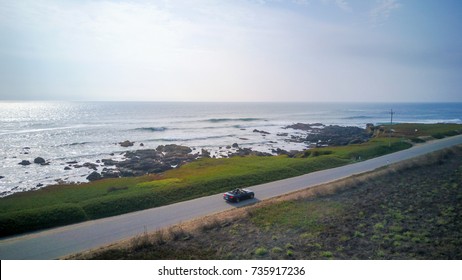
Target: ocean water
<point x="62" y="132"/>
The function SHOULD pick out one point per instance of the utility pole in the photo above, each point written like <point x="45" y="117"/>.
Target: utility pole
<point x="391" y="124"/>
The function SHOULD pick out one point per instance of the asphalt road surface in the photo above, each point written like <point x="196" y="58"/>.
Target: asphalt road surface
<point x="62" y="241"/>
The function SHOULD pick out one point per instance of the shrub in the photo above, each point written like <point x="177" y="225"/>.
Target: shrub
<point x="277" y="250"/>
<point x="40" y="218"/>
<point x="327" y="254"/>
<point x="438" y="135"/>
<point x="261" y="251"/>
<point x="417" y="140"/>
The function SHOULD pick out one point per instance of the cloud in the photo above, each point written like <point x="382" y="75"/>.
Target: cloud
<point x="382" y="11"/>
<point x="341" y="4"/>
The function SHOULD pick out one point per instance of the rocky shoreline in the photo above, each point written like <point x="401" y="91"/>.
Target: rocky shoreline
<point x="165" y="157"/>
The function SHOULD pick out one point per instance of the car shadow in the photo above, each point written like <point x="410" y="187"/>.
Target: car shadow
<point x="243" y="203"/>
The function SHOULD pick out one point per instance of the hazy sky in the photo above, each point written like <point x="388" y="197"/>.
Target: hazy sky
<point x="236" y="50"/>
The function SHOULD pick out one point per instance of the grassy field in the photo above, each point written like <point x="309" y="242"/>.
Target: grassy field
<point x="65" y="204"/>
<point x="411" y="210"/>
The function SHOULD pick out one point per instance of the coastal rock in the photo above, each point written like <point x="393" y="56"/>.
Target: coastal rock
<point x="94" y="176"/>
<point x="1" y="177"/>
<point x="24" y="162"/>
<point x="108" y="162"/>
<point x="39" y="160"/>
<point x="146" y="161"/>
<point x="124" y="172"/>
<point x="205" y="153"/>
<point x="174" y="149"/>
<point x="305" y="126"/>
<point x="339" y="135"/>
<point x="142" y="155"/>
<point x="67" y="168"/>
<point x="332" y="135"/>
<point x="110" y="173"/>
<point x="126" y="143"/>
<point x="249" y="152"/>
<point x="143" y="162"/>
<point x="90" y="165"/>
<point x="235" y="145"/>
<point x="261" y="131"/>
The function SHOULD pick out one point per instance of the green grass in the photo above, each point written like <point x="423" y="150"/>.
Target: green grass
<point x="65" y="204"/>
<point x="295" y="214"/>
<point x="415" y="130"/>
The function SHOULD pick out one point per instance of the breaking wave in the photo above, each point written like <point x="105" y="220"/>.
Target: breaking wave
<point x="153" y="129"/>
<point x="233" y="120"/>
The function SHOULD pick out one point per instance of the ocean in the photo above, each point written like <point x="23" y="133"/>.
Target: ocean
<point x="81" y="132"/>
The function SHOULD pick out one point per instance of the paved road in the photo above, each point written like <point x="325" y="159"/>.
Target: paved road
<point x="55" y="243"/>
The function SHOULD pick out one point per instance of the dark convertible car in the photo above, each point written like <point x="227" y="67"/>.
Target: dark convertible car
<point x="237" y="195"/>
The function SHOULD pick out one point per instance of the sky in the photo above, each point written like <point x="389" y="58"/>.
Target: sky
<point x="236" y="50"/>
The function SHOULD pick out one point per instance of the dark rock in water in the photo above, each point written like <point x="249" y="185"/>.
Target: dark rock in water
<point x="249" y="152"/>
<point x="1" y="177"/>
<point x="205" y="153"/>
<point x="94" y="176"/>
<point x="141" y="162"/>
<point x="332" y="135"/>
<point x="71" y="162"/>
<point x="260" y="131"/>
<point x="126" y="143"/>
<point x="174" y="149"/>
<point x="110" y="173"/>
<point x="235" y="145"/>
<point x="126" y="172"/>
<point x="290" y="154"/>
<point x="283" y="134"/>
<point x="335" y="135"/>
<point x="39" y="185"/>
<point x="90" y="165"/>
<point x="67" y="168"/>
<point x="24" y="162"/>
<point x="305" y="126"/>
<point x="39" y="160"/>
<point x="109" y="162"/>
<point x="141" y="144"/>
<point x="142" y="154"/>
